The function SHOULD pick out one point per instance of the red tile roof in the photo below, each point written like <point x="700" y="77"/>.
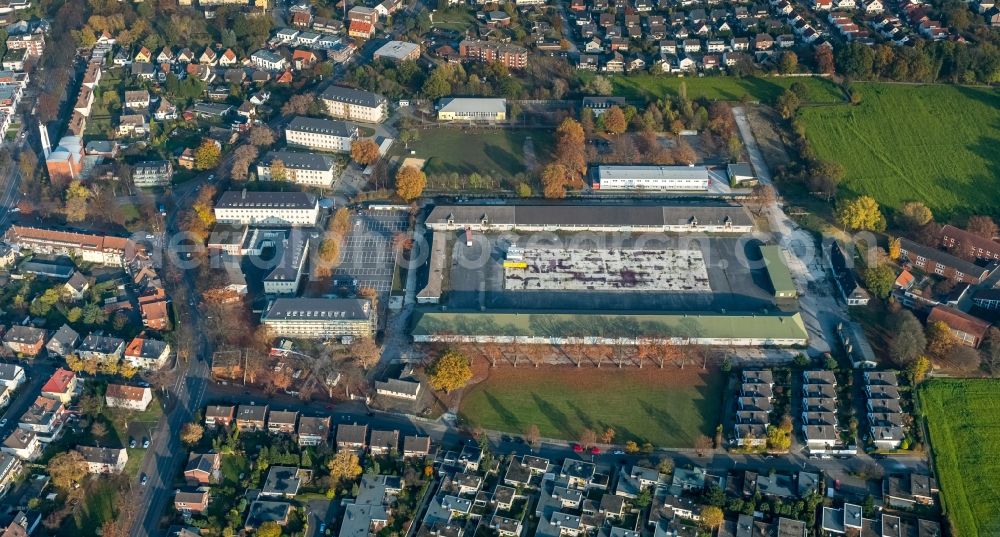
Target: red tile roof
<point x="59" y="382"/>
<point x="957" y="320"/>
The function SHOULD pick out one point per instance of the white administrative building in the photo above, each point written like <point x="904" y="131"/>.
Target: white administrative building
<point x="267" y="208"/>
<point x="651" y="178"/>
<point x="321" y="318"/>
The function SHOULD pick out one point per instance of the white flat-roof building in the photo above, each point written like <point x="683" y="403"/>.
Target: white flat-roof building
<point x="311" y="169"/>
<point x="469" y="109"/>
<point x="321" y="134"/>
<point x="267" y="208"/>
<point x="321" y="318"/>
<point x="651" y="178"/>
<point x="398" y="51"/>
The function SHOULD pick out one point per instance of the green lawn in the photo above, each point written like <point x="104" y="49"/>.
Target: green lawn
<point x="726" y="88"/>
<point x="97" y="507"/>
<point x="936" y="144"/>
<point x="498" y="153"/>
<point x="965" y="438"/>
<point x="459" y="19"/>
<point x="667" y="407"/>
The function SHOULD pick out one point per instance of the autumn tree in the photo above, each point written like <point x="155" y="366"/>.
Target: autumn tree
<point x="365" y="352"/>
<point x="861" y="213"/>
<point x="298" y="104"/>
<point x="364" y="151"/>
<point x="778" y="439"/>
<point x="588" y="438"/>
<point x="789" y="63"/>
<point x="824" y="60"/>
<point x="278" y="170"/>
<point x="261" y="136"/>
<point x="532" y="436"/>
<point x="684" y="154"/>
<point x="983" y="226"/>
<point x="191" y="433"/>
<point x="712" y="517"/>
<point x="787" y="104"/>
<point x="268" y="529"/>
<point x="895" y="249"/>
<point x="614" y="120"/>
<point x="77" y="201"/>
<point x="207" y="156"/>
<point x="608" y="436"/>
<point x="344" y="466"/>
<point x="555" y="179"/>
<point x="762" y="195"/>
<point x="67" y="469"/>
<point x="913" y="215"/>
<point x="879" y="279"/>
<point x="940" y="339"/>
<point x="450" y="371"/>
<point x="918" y="369"/>
<point x="908" y="340"/>
<point x="571" y="152"/>
<point x="410" y="183"/>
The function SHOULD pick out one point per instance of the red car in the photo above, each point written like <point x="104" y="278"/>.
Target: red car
<point x="577" y="448"/>
<point x="595" y="450"/>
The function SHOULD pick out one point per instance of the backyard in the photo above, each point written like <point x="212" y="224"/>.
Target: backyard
<point x="766" y="90"/>
<point x="500" y="153"/>
<point x="965" y="437"/>
<point x="936" y="144"/>
<point x="667" y="407"/>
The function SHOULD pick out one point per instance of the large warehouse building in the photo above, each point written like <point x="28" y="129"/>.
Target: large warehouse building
<point x="662" y="178"/>
<point x="680" y="218"/>
<point x="603" y="328"/>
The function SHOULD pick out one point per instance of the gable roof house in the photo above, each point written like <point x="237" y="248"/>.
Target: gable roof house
<point x="313" y="431"/>
<point x="202" y="468"/>
<point x="25" y="340"/>
<point x="282" y="421"/>
<point x="351" y="436"/>
<point x="61" y="386"/>
<point x="130" y="397"/>
<point x="147" y="353"/>
<point x="219" y="415"/>
<point x="101" y="348"/>
<point x="251" y="417"/>
<point x="103" y="460"/>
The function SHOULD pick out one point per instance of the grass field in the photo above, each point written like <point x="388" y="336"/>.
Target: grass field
<point x="667" y="407"/>
<point x="965" y="438"/>
<point x="936" y="144"/>
<point x="726" y="88"/>
<point x="498" y="153"/>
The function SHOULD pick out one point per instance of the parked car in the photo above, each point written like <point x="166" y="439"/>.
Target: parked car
<point x="577" y="448"/>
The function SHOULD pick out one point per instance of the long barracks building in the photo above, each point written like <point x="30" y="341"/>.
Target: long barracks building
<point x="679" y="218"/>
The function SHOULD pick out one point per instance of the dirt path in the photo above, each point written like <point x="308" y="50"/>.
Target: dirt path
<point x="530" y="161"/>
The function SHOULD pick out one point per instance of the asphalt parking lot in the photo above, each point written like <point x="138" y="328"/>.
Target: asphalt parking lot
<point x="368" y="257"/>
<point x="477" y="279"/>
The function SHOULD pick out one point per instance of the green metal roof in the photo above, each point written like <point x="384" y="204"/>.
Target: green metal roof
<point x="781" y="278"/>
<point x="779" y="325"/>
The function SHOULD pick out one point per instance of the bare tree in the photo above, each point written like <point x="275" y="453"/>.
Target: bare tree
<point x="702" y="444"/>
<point x="492" y="352"/>
<point x="576" y="352"/>
<point x="532" y="436"/>
<point x="588" y="438"/>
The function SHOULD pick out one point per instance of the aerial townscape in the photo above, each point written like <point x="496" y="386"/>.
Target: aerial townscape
<point x="499" y="268"/>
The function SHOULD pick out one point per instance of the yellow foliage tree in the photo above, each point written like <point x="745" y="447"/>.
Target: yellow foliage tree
<point x="207" y="155"/>
<point x="410" y="183"/>
<point x="364" y="151"/>
<point x="450" y="371"/>
<point x="344" y="466"/>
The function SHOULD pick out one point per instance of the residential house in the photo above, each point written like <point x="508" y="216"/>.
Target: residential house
<point x="145" y="352"/>
<point x="219" y="415"/>
<point x="23" y="444"/>
<point x="202" y="468"/>
<point x="909" y="491"/>
<point x="313" y="431"/>
<point x="281" y="481"/>
<point x="12" y="375"/>
<point x="129" y="397"/>
<point x="932" y="260"/>
<point x="101" y="348"/>
<point x="191" y="502"/>
<point x="383" y="442"/>
<point x="61" y="386"/>
<point x="251" y="417"/>
<point x="416" y="446"/>
<point x="967" y="330"/>
<point x="45" y="417"/>
<point x="103" y="460"/>
<point x="351" y="437"/>
<point x="25" y="340"/>
<point x="282" y="421"/>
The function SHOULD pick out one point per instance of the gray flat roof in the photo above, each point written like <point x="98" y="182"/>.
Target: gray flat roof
<point x="317" y="309"/>
<point x="299" y="161"/>
<point x="652" y="172"/>
<point x="582" y="215"/>
<point x="397" y="49"/>
<point x="321" y="126"/>
<point x="237" y="199"/>
<point x="351" y="95"/>
<point x="461" y="105"/>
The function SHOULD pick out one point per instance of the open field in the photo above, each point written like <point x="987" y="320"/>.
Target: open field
<point x="965" y="437"/>
<point x="499" y="153"/>
<point x="726" y="88"/>
<point x="667" y="407"/>
<point x="936" y="144"/>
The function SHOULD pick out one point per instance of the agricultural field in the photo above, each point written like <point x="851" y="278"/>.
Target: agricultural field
<point x="728" y="88"/>
<point x="666" y="407"/>
<point x="965" y="437"/>
<point x="499" y="153"/>
<point x="936" y="144"/>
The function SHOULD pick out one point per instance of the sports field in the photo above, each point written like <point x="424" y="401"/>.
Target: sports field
<point x="936" y="144"/>
<point x="965" y="439"/>
<point x="667" y="407"/>
<point x="500" y="153"/>
<point x="727" y="88"/>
